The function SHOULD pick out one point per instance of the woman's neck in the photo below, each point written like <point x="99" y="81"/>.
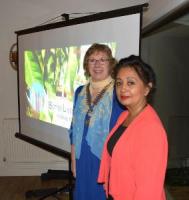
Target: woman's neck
<point x="134" y="112"/>
<point x="98" y="85"/>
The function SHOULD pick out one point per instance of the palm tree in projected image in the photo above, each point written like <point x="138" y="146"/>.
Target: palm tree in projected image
<point x="50" y="74"/>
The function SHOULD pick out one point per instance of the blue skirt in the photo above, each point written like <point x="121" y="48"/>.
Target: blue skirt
<point x="87" y="168"/>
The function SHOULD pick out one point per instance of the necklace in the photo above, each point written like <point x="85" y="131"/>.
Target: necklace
<point x="91" y="103"/>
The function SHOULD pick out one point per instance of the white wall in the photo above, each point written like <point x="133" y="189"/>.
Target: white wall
<point x="20" y="14"/>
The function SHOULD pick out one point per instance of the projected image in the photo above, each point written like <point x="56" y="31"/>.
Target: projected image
<point x="51" y="77"/>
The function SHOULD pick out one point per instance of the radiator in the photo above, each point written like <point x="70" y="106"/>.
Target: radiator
<point x="16" y="150"/>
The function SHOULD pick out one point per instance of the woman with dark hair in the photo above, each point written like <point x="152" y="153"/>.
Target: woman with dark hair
<point x="95" y="112"/>
<point x="134" y="158"/>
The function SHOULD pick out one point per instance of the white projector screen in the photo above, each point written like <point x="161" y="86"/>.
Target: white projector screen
<point x="51" y="68"/>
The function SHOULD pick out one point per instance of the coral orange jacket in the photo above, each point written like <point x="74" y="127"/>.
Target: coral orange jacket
<point x="136" y="170"/>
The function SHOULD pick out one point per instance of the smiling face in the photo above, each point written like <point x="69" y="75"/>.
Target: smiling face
<point x="98" y="66"/>
<point x="130" y="89"/>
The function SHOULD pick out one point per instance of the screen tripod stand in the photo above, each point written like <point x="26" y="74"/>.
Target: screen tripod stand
<point x="45" y="193"/>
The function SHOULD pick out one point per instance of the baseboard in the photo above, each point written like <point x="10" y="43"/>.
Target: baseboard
<point x="30" y="169"/>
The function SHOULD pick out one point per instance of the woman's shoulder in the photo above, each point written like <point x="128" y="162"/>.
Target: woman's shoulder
<point x="150" y="122"/>
<point x="152" y="115"/>
<point x="79" y="88"/>
<point x="78" y="92"/>
<point x="122" y="116"/>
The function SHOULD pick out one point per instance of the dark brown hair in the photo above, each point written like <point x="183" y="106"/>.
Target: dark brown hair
<point x="144" y="71"/>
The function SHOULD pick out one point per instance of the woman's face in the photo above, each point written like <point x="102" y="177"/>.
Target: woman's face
<point x="130" y="89"/>
<point x="98" y="66"/>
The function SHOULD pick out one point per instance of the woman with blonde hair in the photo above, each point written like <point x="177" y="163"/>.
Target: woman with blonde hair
<point x="95" y="112"/>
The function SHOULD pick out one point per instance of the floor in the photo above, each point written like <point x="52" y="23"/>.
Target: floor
<point x="178" y="192"/>
<point x="15" y="188"/>
<point x="177" y="181"/>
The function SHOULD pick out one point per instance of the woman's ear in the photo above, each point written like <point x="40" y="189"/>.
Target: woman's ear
<point x="148" y="88"/>
<point x="150" y="85"/>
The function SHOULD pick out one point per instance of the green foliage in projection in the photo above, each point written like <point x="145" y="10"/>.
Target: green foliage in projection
<point x="50" y="72"/>
<point x="71" y="69"/>
<point x="51" y="76"/>
<point x="33" y="71"/>
<point x="52" y="69"/>
<point x="44" y="67"/>
<point x="112" y="46"/>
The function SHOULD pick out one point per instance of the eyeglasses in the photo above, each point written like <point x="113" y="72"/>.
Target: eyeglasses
<point x="101" y="61"/>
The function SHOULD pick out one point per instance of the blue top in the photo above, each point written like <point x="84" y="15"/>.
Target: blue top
<point x="102" y="120"/>
<point x="88" y="132"/>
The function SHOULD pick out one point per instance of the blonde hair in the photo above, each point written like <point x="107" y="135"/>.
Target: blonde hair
<point x="98" y="48"/>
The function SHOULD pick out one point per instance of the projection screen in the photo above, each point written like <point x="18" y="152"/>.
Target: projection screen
<point x="51" y="68"/>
